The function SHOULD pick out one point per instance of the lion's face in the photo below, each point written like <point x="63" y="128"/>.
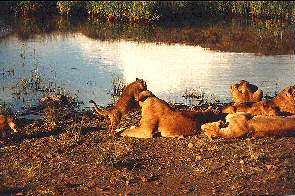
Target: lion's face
<point x="136" y="87"/>
<point x="245" y="92"/>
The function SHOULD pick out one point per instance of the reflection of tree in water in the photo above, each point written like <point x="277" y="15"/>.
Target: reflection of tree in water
<point x="267" y="38"/>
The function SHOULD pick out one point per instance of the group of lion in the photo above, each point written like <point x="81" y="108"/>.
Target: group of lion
<point x="247" y="115"/>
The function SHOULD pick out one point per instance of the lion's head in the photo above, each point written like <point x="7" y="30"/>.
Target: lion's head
<point x="245" y="92"/>
<point x="285" y="100"/>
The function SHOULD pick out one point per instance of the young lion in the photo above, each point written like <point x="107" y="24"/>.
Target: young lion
<point x="245" y="92"/>
<point x="285" y="100"/>
<point x="158" y="116"/>
<point x="265" y="108"/>
<point x="7" y="123"/>
<point x="124" y="104"/>
<point x="241" y="124"/>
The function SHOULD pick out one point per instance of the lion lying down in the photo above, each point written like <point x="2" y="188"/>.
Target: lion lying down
<point x="241" y="124"/>
<point x="266" y="108"/>
<point x="282" y="104"/>
<point x="285" y="100"/>
<point x="159" y="117"/>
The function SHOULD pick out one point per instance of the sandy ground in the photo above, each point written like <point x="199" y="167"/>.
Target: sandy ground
<point x="70" y="152"/>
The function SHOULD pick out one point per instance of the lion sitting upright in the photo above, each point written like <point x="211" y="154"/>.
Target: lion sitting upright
<point x="125" y="103"/>
<point x="247" y="98"/>
<point x="159" y="117"/>
<point x="245" y="92"/>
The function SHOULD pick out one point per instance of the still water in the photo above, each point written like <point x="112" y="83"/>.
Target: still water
<point x="85" y="67"/>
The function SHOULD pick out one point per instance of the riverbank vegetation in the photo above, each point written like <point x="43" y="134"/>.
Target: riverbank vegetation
<point x="259" y="37"/>
<point x="152" y="11"/>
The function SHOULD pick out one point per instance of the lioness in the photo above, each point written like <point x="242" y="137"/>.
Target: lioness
<point x="245" y="92"/>
<point x="266" y="108"/>
<point x="159" y="117"/>
<point x="124" y="104"/>
<point x="285" y="100"/>
<point x="240" y="124"/>
<point x="7" y="123"/>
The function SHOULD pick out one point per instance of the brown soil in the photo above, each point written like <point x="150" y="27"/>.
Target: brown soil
<point x="70" y="152"/>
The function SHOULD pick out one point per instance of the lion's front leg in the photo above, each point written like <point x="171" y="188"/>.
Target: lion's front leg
<point x="138" y="132"/>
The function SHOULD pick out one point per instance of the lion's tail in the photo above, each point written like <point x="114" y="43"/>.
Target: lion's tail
<point x="99" y="110"/>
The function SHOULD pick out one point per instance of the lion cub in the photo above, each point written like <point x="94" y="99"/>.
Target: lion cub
<point x="159" y="117"/>
<point x="241" y="124"/>
<point x="245" y="92"/>
<point x="285" y="100"/>
<point x="124" y="104"/>
<point x="266" y="108"/>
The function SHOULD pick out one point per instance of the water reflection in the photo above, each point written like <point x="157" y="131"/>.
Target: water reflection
<point x="172" y="69"/>
<point x="84" y="60"/>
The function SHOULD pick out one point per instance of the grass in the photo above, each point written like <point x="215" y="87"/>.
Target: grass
<point x="149" y="11"/>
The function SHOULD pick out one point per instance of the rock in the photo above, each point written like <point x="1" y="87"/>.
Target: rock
<point x="190" y="145"/>
<point x="268" y="167"/>
<point x="199" y="157"/>
<point x="143" y="179"/>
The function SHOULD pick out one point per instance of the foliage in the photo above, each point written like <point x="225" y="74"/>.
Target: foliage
<point x="137" y="11"/>
<point x="71" y="7"/>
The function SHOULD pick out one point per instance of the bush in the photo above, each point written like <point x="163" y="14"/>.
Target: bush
<point x="71" y="7"/>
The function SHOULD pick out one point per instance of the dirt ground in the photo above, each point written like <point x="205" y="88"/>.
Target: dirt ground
<point x="70" y="152"/>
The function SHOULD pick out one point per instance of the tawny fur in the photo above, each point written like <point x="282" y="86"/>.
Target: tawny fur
<point x="242" y="124"/>
<point x="7" y="124"/>
<point x="245" y="92"/>
<point x="125" y="103"/>
<point x="285" y="100"/>
<point x="266" y="108"/>
<point x="159" y="117"/>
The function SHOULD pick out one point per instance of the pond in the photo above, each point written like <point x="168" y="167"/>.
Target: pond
<point x="88" y="59"/>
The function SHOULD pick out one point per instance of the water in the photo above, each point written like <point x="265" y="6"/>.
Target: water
<point x="74" y="63"/>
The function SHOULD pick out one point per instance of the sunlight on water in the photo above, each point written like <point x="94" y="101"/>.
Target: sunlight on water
<point x="171" y="69"/>
<point x="86" y="67"/>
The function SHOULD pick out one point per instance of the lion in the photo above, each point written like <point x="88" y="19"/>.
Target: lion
<point x="266" y="108"/>
<point x="245" y="92"/>
<point x="242" y="124"/>
<point x="159" y="117"/>
<point x="285" y="100"/>
<point x="7" y="124"/>
<point x="125" y="103"/>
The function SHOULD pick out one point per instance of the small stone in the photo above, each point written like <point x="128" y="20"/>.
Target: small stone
<point x="190" y="145"/>
<point x="143" y="179"/>
<point x="199" y="157"/>
<point x="268" y="167"/>
<point x="242" y="161"/>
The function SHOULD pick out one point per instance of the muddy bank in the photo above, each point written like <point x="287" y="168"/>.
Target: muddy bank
<point x="69" y="151"/>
